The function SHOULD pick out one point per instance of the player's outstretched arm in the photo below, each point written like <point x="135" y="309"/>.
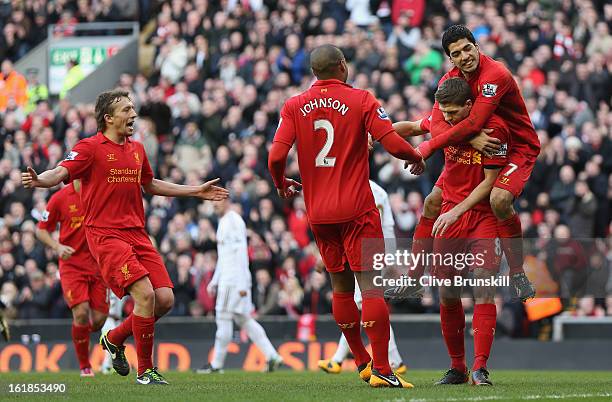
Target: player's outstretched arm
<point x="398" y="147"/>
<point x="64" y="252"/>
<point x="207" y="191"/>
<point x="479" y="193"/>
<point x="408" y="129"/>
<point x="48" y="178"/>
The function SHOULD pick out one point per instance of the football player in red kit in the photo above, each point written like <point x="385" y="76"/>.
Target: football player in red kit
<point x="330" y="123"/>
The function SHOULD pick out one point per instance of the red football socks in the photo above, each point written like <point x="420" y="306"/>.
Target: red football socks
<point x="452" y="319"/>
<point x="483" y="324"/>
<point x="375" y="321"/>
<point x="422" y="243"/>
<point x="143" y="330"/>
<point x="511" y="236"/>
<point x="80" y="339"/>
<point x="347" y="316"/>
<point x="118" y="335"/>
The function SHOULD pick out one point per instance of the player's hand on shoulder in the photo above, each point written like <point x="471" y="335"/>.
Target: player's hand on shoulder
<point x="290" y="189"/>
<point x="484" y="143"/>
<point x="209" y="191"/>
<point x="29" y="178"/>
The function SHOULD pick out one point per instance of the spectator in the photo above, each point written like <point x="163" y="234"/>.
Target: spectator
<point x="265" y="293"/>
<point x="13" y="86"/>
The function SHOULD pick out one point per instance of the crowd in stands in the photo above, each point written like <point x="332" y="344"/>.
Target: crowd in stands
<point x="222" y="71"/>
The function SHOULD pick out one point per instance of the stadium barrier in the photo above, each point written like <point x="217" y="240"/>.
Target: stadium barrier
<point x="568" y="327"/>
<point x="184" y="344"/>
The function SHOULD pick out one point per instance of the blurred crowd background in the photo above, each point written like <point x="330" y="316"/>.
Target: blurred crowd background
<point x="209" y="104"/>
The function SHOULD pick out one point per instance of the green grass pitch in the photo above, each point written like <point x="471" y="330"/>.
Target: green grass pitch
<point x="316" y="386"/>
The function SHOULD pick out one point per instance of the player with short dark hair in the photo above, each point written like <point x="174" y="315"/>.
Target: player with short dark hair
<point x="496" y="92"/>
<point x="114" y="170"/>
<point x="83" y="287"/>
<point x="330" y="124"/>
<point x="467" y="225"/>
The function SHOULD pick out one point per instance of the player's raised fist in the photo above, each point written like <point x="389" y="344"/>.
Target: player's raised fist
<point x="29" y="179"/>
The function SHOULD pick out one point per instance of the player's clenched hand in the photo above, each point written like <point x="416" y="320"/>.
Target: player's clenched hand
<point x="290" y="189"/>
<point x="416" y="168"/>
<point x="443" y="222"/>
<point x="64" y="252"/>
<point x="208" y="191"/>
<point x="485" y="144"/>
<point x="29" y="179"/>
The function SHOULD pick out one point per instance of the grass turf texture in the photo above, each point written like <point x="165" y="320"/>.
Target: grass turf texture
<point x="316" y="386"/>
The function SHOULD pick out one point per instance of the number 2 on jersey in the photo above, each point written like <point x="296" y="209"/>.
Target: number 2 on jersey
<point x="322" y="160"/>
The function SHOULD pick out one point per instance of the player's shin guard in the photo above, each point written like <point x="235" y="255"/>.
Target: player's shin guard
<point x="452" y="319"/>
<point x="422" y="244"/>
<point x="80" y="339"/>
<point x="511" y="236"/>
<point x="119" y="334"/>
<point x="375" y="320"/>
<point x="347" y="317"/>
<point x="483" y="324"/>
<point x="258" y="335"/>
<point x="143" y="329"/>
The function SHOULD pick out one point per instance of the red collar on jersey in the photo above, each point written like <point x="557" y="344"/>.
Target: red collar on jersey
<point x="320" y="83"/>
<point x="102" y="138"/>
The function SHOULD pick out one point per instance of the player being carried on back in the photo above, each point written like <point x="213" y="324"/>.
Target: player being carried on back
<point x="467" y="226"/>
<point x="496" y="92"/>
<point x="330" y="123"/>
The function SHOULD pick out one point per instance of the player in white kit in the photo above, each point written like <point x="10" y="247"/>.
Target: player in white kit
<point x="115" y="315"/>
<point x="334" y="365"/>
<point x="232" y="283"/>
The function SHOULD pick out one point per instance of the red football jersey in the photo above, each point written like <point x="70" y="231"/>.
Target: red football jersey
<point x="330" y="124"/>
<point x="464" y="166"/>
<point x="493" y="83"/>
<point x="64" y="207"/>
<point x="111" y="176"/>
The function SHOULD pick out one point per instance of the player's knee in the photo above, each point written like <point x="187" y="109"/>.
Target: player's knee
<point x="501" y="203"/>
<point x="80" y="314"/>
<point x="433" y="204"/>
<point x="98" y="322"/>
<point x="144" y="295"/>
<point x="163" y="303"/>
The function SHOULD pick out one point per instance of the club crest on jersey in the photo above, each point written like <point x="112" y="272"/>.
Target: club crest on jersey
<point x="382" y="114"/>
<point x="489" y="90"/>
<point x="45" y="216"/>
<point x="71" y="156"/>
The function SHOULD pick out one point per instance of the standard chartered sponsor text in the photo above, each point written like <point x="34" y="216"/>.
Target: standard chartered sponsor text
<point x="126" y="175"/>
